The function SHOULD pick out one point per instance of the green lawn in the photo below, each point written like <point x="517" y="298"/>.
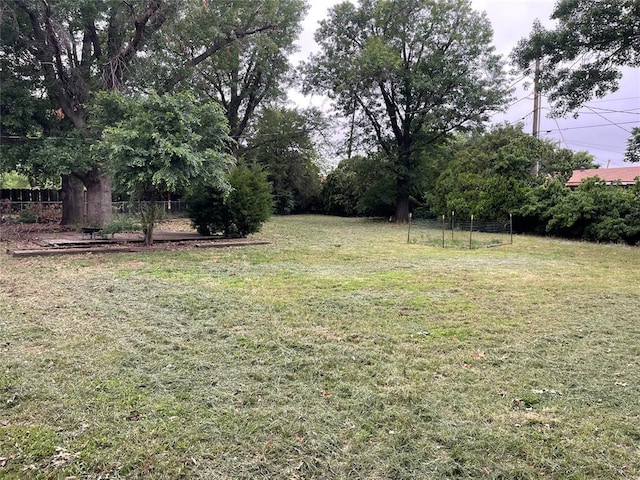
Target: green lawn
<point x="337" y="351"/>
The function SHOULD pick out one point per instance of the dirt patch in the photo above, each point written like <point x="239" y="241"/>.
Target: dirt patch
<point x="27" y="240"/>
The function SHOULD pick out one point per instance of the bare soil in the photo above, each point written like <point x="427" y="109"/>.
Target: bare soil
<point x="46" y="237"/>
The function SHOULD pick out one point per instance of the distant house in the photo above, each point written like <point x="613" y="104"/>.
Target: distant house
<point x="622" y="175"/>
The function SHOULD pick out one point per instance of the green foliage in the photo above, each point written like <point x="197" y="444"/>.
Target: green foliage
<point x="283" y="146"/>
<point x="236" y="213"/>
<point x="360" y="186"/>
<point x="489" y="174"/>
<point x="13" y="180"/>
<point x="56" y="55"/>
<point x="632" y="154"/>
<point x="120" y="224"/>
<point x="417" y="70"/>
<point x="28" y="215"/>
<point x="246" y="73"/>
<point x="583" y="53"/>
<point x="598" y="212"/>
<point x="534" y="213"/>
<point x="164" y="144"/>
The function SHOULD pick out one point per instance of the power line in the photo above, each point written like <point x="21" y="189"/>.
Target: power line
<point x="631" y="111"/>
<point x="560" y="132"/>
<point x="596" y="147"/>
<point x="611" y="122"/>
<point x="614" y="100"/>
<point x="591" y="126"/>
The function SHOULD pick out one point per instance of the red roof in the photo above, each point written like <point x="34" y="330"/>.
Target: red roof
<point x="624" y="175"/>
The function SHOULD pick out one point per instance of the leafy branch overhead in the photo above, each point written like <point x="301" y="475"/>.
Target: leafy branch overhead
<point x="583" y="55"/>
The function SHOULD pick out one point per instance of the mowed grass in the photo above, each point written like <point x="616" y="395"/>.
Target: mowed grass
<point x="337" y="351"/>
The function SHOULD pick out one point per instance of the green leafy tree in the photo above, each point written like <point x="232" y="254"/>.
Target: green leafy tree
<point x="164" y="144"/>
<point x="283" y="145"/>
<point x="583" y="54"/>
<point x="245" y="74"/>
<point x="360" y="186"/>
<point x="67" y="50"/>
<point x="236" y="213"/>
<point x="563" y="162"/>
<point x="632" y="153"/>
<point x="75" y="48"/>
<point x="418" y="70"/>
<point x="599" y="212"/>
<point x="13" y="180"/>
<point x="489" y="173"/>
<point x="534" y="213"/>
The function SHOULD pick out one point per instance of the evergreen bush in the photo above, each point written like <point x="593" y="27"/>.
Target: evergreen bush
<point x="236" y="213"/>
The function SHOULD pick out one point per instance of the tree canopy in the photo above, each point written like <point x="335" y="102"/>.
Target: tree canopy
<point x="283" y="145"/>
<point x="163" y="144"/>
<point x="632" y="154"/>
<point x="583" y="54"/>
<point x="417" y="69"/>
<point x="57" y="55"/>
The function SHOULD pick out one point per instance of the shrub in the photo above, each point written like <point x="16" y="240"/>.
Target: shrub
<point x="236" y="213"/>
<point x="598" y="212"/>
<point x="120" y="224"/>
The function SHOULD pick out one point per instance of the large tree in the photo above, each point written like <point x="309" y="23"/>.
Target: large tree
<point x="417" y="69"/>
<point x="491" y="174"/>
<point x="283" y="145"/>
<point x="70" y="49"/>
<point x="73" y="49"/>
<point x="583" y="54"/>
<point x="248" y="72"/>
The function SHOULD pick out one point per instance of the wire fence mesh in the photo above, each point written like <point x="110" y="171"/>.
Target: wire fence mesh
<point x="452" y="232"/>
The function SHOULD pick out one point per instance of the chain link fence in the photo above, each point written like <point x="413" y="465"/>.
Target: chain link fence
<point x="47" y="212"/>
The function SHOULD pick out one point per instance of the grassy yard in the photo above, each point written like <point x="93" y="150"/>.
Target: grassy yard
<point x="338" y="351"/>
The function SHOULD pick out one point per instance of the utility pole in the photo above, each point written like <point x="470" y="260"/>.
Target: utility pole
<point x="536" y="100"/>
<point x="536" y="109"/>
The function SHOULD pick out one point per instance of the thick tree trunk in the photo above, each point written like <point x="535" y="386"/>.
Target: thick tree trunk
<point x="403" y="181"/>
<point x="99" y="210"/>
<point x="73" y="211"/>
<point x="402" y="199"/>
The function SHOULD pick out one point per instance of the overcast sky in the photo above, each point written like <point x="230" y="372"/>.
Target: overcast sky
<point x="603" y="126"/>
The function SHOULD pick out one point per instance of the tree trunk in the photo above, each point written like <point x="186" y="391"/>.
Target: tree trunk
<point x="403" y="182"/>
<point x="99" y="208"/>
<point x="149" y="214"/>
<point x="402" y="199"/>
<point x="73" y="210"/>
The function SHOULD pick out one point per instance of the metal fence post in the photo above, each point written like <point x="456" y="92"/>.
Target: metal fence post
<point x="453" y="222"/>
<point x="511" y="228"/>
<point x="471" y="232"/>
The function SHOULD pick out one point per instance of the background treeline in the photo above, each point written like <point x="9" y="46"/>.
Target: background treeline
<point x="491" y="175"/>
<point x="138" y="100"/>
